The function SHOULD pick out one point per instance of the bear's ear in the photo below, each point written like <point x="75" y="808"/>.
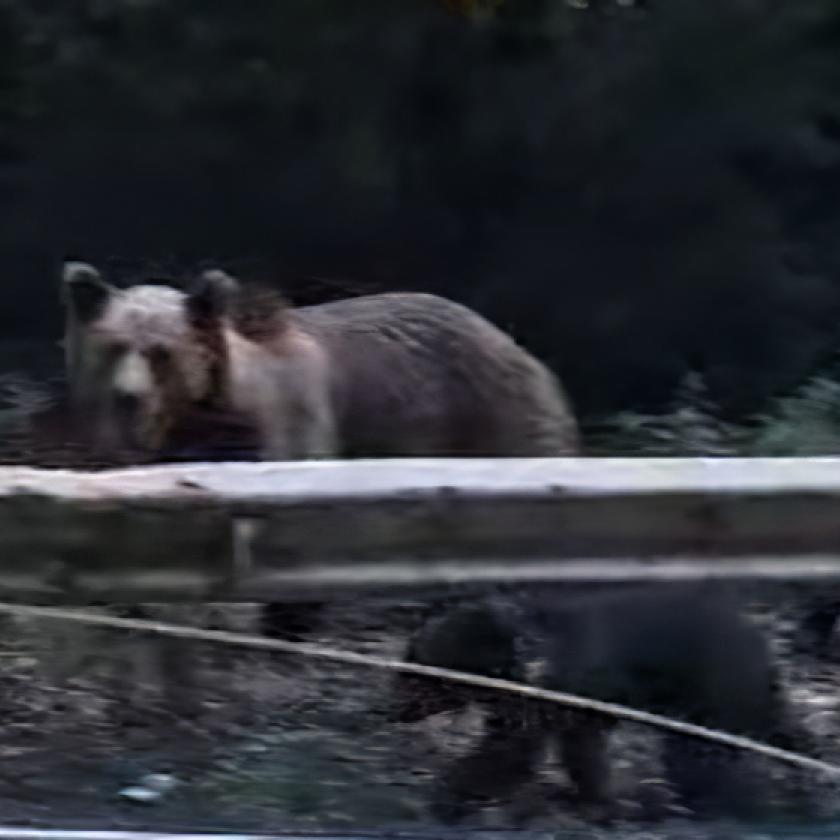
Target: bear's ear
<point x="85" y="293"/>
<point x="210" y="296"/>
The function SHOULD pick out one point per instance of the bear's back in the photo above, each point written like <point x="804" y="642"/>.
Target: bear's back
<point x="686" y="650"/>
<point x="417" y="374"/>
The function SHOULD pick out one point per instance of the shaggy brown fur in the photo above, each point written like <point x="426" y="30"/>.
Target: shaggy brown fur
<point x="259" y="314"/>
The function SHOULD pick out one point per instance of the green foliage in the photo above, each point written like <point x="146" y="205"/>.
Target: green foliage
<point x="804" y="423"/>
<point x="689" y="427"/>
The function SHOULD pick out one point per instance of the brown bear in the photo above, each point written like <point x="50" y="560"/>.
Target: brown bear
<point x="158" y="373"/>
<point x="682" y="650"/>
<point x="398" y="374"/>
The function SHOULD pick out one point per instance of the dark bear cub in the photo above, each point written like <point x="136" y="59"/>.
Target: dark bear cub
<point x="685" y="652"/>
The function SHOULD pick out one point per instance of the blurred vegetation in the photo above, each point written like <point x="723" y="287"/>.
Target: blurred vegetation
<point x="635" y="189"/>
<point x="689" y="427"/>
<point x="802" y="423"/>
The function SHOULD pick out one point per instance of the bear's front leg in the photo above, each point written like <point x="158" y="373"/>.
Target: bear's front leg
<point x="315" y="434"/>
<point x="298" y="431"/>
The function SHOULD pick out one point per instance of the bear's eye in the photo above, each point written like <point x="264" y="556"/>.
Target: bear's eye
<point x="160" y="355"/>
<point x="116" y="349"/>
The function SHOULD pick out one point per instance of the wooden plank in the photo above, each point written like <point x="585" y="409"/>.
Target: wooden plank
<point x="669" y="830"/>
<point x="11" y="833"/>
<point x="71" y="834"/>
<point x="259" y="531"/>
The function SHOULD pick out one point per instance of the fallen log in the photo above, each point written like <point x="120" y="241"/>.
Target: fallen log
<point x="266" y="531"/>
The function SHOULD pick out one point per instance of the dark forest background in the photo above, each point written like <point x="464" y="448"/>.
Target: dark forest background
<point x="637" y="190"/>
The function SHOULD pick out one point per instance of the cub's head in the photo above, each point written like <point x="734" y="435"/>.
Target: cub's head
<point x="474" y="639"/>
<point x="139" y="359"/>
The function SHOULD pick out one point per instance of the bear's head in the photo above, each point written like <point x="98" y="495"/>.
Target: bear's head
<point x="140" y="359"/>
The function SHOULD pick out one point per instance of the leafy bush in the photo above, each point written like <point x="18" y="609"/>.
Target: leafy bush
<point x="690" y="427"/>
<point x="806" y="422"/>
